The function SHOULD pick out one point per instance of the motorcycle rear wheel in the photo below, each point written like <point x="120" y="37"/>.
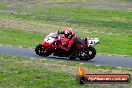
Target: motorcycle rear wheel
<point x="88" y="53"/>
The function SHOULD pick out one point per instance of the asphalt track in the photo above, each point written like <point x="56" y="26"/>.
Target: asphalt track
<point x="105" y="60"/>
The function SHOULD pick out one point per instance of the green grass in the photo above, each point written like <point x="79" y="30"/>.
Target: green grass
<point x="37" y="73"/>
<point x="14" y="37"/>
<point x="125" y="0"/>
<point x="2" y="5"/>
<point x="104" y="19"/>
<point x="86" y="17"/>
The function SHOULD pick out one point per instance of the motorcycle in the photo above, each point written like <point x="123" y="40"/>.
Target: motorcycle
<point x="53" y="43"/>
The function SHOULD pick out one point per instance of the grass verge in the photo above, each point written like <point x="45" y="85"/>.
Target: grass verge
<point x="19" y="38"/>
<point x="26" y="72"/>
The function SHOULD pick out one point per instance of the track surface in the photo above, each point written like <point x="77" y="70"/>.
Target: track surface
<point x="116" y="61"/>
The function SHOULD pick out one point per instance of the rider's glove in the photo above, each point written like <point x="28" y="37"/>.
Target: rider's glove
<point x="58" y="32"/>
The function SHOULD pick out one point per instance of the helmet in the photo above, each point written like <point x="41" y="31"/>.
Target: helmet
<point x="68" y="32"/>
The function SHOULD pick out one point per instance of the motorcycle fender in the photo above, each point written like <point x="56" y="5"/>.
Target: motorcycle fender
<point x="45" y="44"/>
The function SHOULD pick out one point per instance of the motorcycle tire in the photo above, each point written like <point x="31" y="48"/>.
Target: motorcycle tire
<point x="92" y="52"/>
<point x="88" y="53"/>
<point x="40" y="50"/>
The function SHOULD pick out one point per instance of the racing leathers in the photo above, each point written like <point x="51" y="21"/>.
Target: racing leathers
<point x="74" y="43"/>
<point x="69" y="40"/>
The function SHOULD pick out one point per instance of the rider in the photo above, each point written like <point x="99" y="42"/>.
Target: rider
<point x="68" y="33"/>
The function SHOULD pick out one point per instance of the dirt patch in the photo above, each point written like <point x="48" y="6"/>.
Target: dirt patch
<point x="72" y="69"/>
<point x="1" y="69"/>
<point x="105" y="4"/>
<point x="112" y="4"/>
<point x="45" y="28"/>
<point x="39" y="27"/>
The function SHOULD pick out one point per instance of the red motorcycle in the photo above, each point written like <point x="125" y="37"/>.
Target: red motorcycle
<point x="53" y="45"/>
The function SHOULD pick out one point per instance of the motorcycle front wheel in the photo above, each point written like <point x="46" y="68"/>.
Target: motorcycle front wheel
<point x="40" y="50"/>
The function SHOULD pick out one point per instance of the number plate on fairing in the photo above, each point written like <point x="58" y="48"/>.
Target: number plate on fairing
<point x="92" y="41"/>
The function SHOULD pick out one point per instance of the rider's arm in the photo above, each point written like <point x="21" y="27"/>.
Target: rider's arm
<point x="69" y="46"/>
<point x="61" y="32"/>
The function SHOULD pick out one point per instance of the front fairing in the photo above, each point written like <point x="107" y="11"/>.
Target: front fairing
<point x="51" y="37"/>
